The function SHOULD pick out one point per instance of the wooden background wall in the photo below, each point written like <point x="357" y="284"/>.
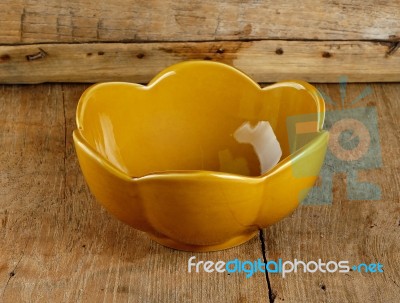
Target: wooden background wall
<point x="103" y="40"/>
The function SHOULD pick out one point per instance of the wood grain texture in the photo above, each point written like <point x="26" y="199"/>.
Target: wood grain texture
<point x="58" y="245"/>
<point x="271" y="40"/>
<point x="264" y="61"/>
<point x="38" y="21"/>
<point x="357" y="231"/>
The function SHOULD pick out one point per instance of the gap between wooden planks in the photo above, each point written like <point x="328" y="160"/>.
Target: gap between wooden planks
<point x="263" y="60"/>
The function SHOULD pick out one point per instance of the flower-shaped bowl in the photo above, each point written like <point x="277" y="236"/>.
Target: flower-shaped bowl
<point x="202" y="157"/>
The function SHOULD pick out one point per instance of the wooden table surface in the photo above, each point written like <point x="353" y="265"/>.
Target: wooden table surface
<point x="58" y="245"/>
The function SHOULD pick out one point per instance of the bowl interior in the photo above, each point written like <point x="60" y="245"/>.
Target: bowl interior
<point x="196" y="116"/>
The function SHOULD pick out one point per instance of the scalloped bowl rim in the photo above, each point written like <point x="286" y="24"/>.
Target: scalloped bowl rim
<point x="80" y="139"/>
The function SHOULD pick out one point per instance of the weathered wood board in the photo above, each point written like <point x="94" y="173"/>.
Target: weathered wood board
<point x="157" y="20"/>
<point x="81" y="41"/>
<point x="264" y="61"/>
<point x="58" y="245"/>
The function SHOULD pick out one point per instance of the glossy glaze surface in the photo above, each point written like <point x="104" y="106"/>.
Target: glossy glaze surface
<point x="190" y="158"/>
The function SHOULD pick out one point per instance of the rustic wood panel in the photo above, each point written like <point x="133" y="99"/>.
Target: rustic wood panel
<point x="58" y="245"/>
<point x="264" y="61"/>
<point x="358" y="231"/>
<point x="38" y="21"/>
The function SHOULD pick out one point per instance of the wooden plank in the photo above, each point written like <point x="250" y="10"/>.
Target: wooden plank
<point x="58" y="245"/>
<point x="264" y="61"/>
<point x="358" y="231"/>
<point x="156" y="20"/>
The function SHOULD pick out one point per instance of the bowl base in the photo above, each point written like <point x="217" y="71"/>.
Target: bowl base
<point x="203" y="248"/>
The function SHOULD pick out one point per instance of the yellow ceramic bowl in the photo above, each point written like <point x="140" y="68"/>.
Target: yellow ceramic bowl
<point x="167" y="159"/>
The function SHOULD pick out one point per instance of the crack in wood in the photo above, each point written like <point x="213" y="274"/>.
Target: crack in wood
<point x="271" y="293"/>
<point x="39" y="55"/>
<point x="394" y="281"/>
<point x="22" y="21"/>
<point x="13" y="272"/>
<point x="394" y="46"/>
<point x="65" y="144"/>
<point x="147" y="41"/>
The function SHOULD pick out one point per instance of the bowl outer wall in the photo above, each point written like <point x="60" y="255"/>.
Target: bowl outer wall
<point x="200" y="207"/>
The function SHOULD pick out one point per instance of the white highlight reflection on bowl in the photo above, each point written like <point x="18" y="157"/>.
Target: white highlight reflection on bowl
<point x="263" y="139"/>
